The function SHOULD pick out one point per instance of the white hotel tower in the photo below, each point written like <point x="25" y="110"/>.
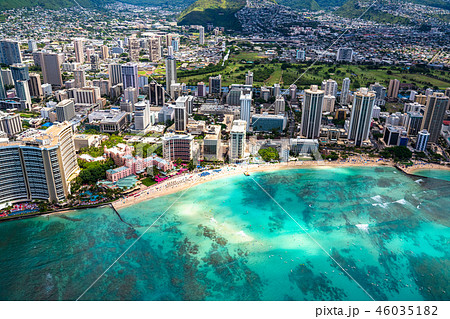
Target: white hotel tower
<point x="361" y="117"/>
<point x="312" y="112"/>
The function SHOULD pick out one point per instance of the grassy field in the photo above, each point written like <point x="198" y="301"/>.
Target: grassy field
<point x="268" y="73"/>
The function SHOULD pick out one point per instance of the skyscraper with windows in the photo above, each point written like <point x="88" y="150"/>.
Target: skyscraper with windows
<point x="434" y="115"/>
<point x="201" y="35"/>
<point x="154" y="49"/>
<point x="422" y="141"/>
<point x="331" y="87"/>
<point x="394" y="87"/>
<point x="51" y="68"/>
<point x="10" y="52"/>
<point x="181" y="113"/>
<point x="32" y="45"/>
<point x="35" y="85"/>
<point x="19" y="72"/>
<point x="65" y="111"/>
<point x="115" y="73"/>
<point x="23" y="93"/>
<point x="246" y="105"/>
<point x="171" y="70"/>
<point x="130" y="75"/>
<point x="345" y="92"/>
<point x="2" y="89"/>
<point x="344" y="55"/>
<point x="237" y="140"/>
<point x="79" y="50"/>
<point x="215" y="84"/>
<point x="80" y="78"/>
<point x="312" y="113"/>
<point x="38" y="167"/>
<point x="361" y="117"/>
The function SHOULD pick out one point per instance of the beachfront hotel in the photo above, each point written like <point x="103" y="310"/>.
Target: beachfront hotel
<point x="178" y="147"/>
<point x="361" y="117"/>
<point x="39" y="166"/>
<point x="237" y="140"/>
<point x="312" y="112"/>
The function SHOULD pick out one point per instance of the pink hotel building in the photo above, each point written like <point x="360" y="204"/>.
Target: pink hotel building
<point x="122" y="155"/>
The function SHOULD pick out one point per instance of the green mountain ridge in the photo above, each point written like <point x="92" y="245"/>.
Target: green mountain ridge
<point x="351" y="9"/>
<point x="218" y="12"/>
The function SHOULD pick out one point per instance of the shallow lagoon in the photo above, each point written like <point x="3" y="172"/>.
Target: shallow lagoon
<point x="228" y="240"/>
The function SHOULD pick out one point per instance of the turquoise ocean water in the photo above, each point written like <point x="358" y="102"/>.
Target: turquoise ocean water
<point x="228" y="240"/>
<point x="434" y="173"/>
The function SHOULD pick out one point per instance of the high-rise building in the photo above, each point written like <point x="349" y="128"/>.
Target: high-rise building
<point x="301" y="55"/>
<point x="11" y="124"/>
<point x="181" y="114"/>
<point x="35" y="85"/>
<point x="344" y="55"/>
<point x="32" y="45"/>
<point x="87" y="95"/>
<point x="201" y="35"/>
<point x="280" y="105"/>
<point x="422" y="141"/>
<point x="2" y="89"/>
<point x="51" y="68"/>
<point x="105" y="52"/>
<point x="201" y="89"/>
<point x="328" y="103"/>
<point x="178" y="147"/>
<point x="170" y="50"/>
<point x="176" y="44"/>
<point x="293" y="92"/>
<point x="130" y="75"/>
<point x="215" y="84"/>
<point x="345" y="92"/>
<point x="434" y="115"/>
<point x="65" y="111"/>
<point x="412" y="95"/>
<point x="246" y="105"/>
<point x="380" y="93"/>
<point x="80" y="78"/>
<point x="413" y="123"/>
<point x="394" y="87"/>
<point x="95" y="62"/>
<point x="447" y="92"/>
<point x="79" y="50"/>
<point x="134" y="48"/>
<point x="19" y="72"/>
<point x="105" y="88"/>
<point x="363" y="103"/>
<point x="38" y="167"/>
<point x="154" y="49"/>
<point x="312" y="112"/>
<point x="142" y="117"/>
<point x="276" y="89"/>
<point x="115" y="73"/>
<point x="23" y="92"/>
<point x="156" y="94"/>
<point x="237" y="140"/>
<point x="249" y="78"/>
<point x="421" y="99"/>
<point x="331" y="87"/>
<point x="171" y="71"/>
<point x="10" y="52"/>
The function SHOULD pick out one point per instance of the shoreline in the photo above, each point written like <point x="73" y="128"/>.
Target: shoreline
<point x="190" y="180"/>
